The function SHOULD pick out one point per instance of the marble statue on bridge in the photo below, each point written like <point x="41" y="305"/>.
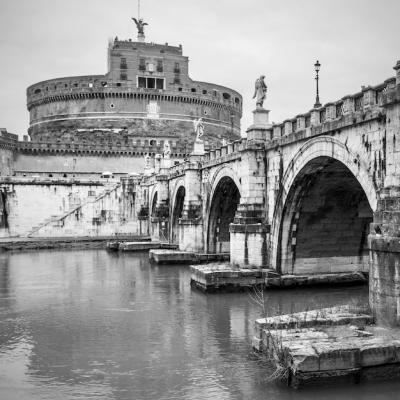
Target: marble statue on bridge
<point x="199" y="129"/>
<point x="167" y="150"/>
<point x="260" y="91"/>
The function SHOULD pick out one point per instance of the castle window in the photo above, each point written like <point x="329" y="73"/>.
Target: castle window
<point x="214" y="93"/>
<point x="226" y="96"/>
<point x="151" y="83"/>
<point x="90" y="84"/>
<point x="237" y="100"/>
<point x="177" y="80"/>
<point x="160" y="67"/>
<point x="123" y="77"/>
<point x="204" y="91"/>
<point x="153" y="142"/>
<point x="142" y="64"/>
<point x="193" y="90"/>
<point x="37" y="91"/>
<point x="104" y="84"/>
<point x="159" y="83"/>
<point x="123" y="64"/>
<point x="142" y="82"/>
<point x="180" y="89"/>
<point x="177" y="68"/>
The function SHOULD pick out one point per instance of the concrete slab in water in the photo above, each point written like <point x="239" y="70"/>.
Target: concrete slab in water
<point x="214" y="277"/>
<point x="138" y="246"/>
<point x="329" y="345"/>
<point x="161" y="256"/>
<point x="167" y="255"/>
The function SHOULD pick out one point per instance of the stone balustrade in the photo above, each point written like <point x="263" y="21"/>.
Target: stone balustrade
<point x="370" y="98"/>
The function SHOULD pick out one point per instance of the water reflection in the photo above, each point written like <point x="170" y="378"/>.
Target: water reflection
<point x="90" y="324"/>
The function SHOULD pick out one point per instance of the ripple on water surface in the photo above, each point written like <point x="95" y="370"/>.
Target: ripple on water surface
<point x="96" y="325"/>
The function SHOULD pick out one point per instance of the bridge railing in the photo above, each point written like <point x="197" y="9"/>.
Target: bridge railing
<point x="368" y="99"/>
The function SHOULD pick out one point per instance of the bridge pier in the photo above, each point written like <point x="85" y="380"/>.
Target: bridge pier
<point x="384" y="279"/>
<point x="159" y="218"/>
<point x="248" y="232"/>
<point x="191" y="223"/>
<point x="248" y="237"/>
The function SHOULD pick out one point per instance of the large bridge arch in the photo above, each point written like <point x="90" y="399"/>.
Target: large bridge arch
<point x="323" y="210"/>
<point x="221" y="206"/>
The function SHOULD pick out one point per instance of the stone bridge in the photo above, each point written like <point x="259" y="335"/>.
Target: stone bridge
<point x="318" y="193"/>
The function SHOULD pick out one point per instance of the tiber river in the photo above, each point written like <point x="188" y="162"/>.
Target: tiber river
<point x="94" y="325"/>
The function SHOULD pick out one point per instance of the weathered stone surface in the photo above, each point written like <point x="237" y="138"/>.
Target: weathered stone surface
<point x="331" y="350"/>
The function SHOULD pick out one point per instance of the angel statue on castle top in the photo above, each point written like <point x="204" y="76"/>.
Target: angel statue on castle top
<point x="140" y="25"/>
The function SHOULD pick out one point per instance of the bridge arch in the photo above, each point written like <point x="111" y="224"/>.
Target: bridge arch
<point x="178" y="199"/>
<point x="323" y="211"/>
<point x="223" y="201"/>
<point x="153" y="203"/>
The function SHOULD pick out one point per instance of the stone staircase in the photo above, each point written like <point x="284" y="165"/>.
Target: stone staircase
<point x="75" y="206"/>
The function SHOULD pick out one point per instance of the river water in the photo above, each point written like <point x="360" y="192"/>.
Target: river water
<point x="95" y="325"/>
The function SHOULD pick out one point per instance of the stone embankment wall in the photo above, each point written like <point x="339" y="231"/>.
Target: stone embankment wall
<point x="62" y="208"/>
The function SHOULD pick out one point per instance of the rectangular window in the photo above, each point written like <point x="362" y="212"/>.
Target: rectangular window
<point x="160" y="83"/>
<point x="142" y="82"/>
<point x="160" y="67"/>
<point x="177" y="80"/>
<point x="123" y="64"/>
<point x="142" y="64"/>
<point x="123" y="77"/>
<point x="177" y="68"/>
<point x="151" y="83"/>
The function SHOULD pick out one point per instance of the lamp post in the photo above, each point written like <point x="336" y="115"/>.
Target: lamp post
<point x="317" y="66"/>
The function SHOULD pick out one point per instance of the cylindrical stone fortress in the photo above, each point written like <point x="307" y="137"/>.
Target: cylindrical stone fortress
<point x="147" y="95"/>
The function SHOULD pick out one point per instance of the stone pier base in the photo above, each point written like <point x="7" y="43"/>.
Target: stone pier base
<point x="384" y="281"/>
<point x="331" y="345"/>
<point x="190" y="235"/>
<point x="384" y="244"/>
<point x="248" y="237"/>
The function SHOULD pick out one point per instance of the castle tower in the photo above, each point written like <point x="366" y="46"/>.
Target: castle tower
<point x="146" y="98"/>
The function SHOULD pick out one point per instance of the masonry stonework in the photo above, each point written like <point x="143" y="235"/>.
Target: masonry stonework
<point x="316" y="194"/>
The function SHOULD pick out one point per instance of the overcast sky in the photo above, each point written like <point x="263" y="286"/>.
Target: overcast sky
<point x="229" y="42"/>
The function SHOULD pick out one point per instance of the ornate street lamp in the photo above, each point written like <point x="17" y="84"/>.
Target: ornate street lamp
<point x="317" y="66"/>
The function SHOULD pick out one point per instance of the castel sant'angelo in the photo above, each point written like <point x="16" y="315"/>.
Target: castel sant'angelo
<point x="85" y="125"/>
